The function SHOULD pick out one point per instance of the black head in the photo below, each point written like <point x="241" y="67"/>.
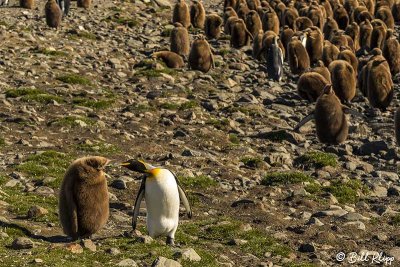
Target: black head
<point x="136" y="165"/>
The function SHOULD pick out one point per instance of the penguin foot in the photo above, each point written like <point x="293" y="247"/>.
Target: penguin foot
<point x="170" y="241"/>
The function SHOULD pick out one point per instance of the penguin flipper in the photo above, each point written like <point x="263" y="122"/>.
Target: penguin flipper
<point x="185" y="202"/>
<point x="138" y="200"/>
<point x="348" y="110"/>
<point x="304" y="121"/>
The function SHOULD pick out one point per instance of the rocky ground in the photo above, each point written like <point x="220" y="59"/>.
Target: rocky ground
<point x="262" y="195"/>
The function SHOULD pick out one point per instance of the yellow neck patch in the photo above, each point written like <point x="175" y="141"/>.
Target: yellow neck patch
<point x="154" y="172"/>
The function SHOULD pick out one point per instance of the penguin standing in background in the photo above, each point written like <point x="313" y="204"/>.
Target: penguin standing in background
<point x="275" y="61"/>
<point x="64" y="6"/>
<point x="162" y="193"/>
<point x="3" y="2"/>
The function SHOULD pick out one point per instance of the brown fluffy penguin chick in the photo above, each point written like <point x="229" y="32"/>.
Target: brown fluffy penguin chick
<point x="330" y="53"/>
<point x="171" y="59"/>
<point x="299" y="61"/>
<point x="391" y="51"/>
<point x="365" y="35"/>
<point x="181" y="13"/>
<point x="378" y="34"/>
<point x="310" y="85"/>
<point x="302" y="23"/>
<point x="348" y="55"/>
<point x="270" y="21"/>
<point x="180" y="42"/>
<point x="53" y="14"/>
<point x="229" y="12"/>
<point x="384" y="13"/>
<point x="229" y="3"/>
<point x="197" y="14"/>
<point x="253" y="22"/>
<point x="396" y="11"/>
<point x="212" y="26"/>
<point x="329" y="27"/>
<point x="29" y="4"/>
<point x="84" y="3"/>
<point x="380" y="85"/>
<point x="343" y="78"/>
<point x="257" y="44"/>
<point x="289" y="17"/>
<point x="286" y="35"/>
<point x="240" y="36"/>
<point x="353" y="30"/>
<point x="83" y="200"/>
<point x="229" y="23"/>
<point x="242" y="11"/>
<point x="321" y="69"/>
<point x="253" y="4"/>
<point x="341" y="17"/>
<point x="397" y="125"/>
<point x="330" y="119"/>
<point x="201" y="57"/>
<point x="315" y="14"/>
<point x="314" y="44"/>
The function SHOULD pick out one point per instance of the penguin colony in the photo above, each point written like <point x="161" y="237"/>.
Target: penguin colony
<point x="323" y="43"/>
<point x="54" y="10"/>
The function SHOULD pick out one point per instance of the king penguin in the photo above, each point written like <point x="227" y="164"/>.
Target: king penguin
<point x="275" y="61"/>
<point x="162" y="193"/>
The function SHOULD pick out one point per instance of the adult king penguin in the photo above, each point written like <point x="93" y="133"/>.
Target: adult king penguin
<point x="162" y="193"/>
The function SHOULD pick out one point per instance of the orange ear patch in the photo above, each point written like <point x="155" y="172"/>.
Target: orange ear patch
<point x="154" y="172"/>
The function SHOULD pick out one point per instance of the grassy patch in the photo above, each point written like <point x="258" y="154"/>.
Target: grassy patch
<point x="188" y="105"/>
<point x="167" y="32"/>
<point x="197" y="182"/>
<point x="153" y="73"/>
<point x="285" y="178"/>
<point x="224" y="52"/>
<point x="74" y="79"/>
<point x="317" y="159"/>
<point x="53" y="53"/>
<point x="169" y="106"/>
<point x="100" y="148"/>
<point x="92" y="103"/>
<point x="47" y="164"/>
<point x="346" y="192"/>
<point x="252" y="162"/>
<point x="218" y="123"/>
<point x="395" y="220"/>
<point x="31" y="94"/>
<point x="72" y="121"/>
<point x="259" y="243"/>
<point x="276" y="136"/>
<point x="234" y="139"/>
<point x="129" y="22"/>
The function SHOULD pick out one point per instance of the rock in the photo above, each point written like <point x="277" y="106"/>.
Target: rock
<point x="307" y="248"/>
<point x="163" y="3"/>
<point x="74" y="248"/>
<point x="395" y="252"/>
<point x="237" y="242"/>
<point x="358" y="224"/>
<point x="87" y="243"/>
<point x="119" y="184"/>
<point x="164" y="262"/>
<point x="145" y="239"/>
<point x="353" y="216"/>
<point x="315" y="221"/>
<point x="36" y="211"/>
<point x="373" y="147"/>
<point x="22" y="243"/>
<point x="127" y="263"/>
<point x="188" y="254"/>
<point x="113" y="251"/>
<point x="330" y="212"/>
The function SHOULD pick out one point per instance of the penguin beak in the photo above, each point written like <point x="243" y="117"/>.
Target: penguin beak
<point x="137" y="166"/>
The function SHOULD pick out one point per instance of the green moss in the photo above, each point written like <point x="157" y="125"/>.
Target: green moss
<point x="72" y="121"/>
<point x="218" y="123"/>
<point x="91" y="103"/>
<point x="188" y="105"/>
<point x="47" y="164"/>
<point x="167" y="32"/>
<point x="74" y="79"/>
<point x="197" y="182"/>
<point x="276" y="136"/>
<point x="252" y="162"/>
<point x="346" y="192"/>
<point x="234" y="139"/>
<point x="284" y="178"/>
<point x="395" y="220"/>
<point x="259" y="243"/>
<point x="313" y="188"/>
<point x="169" y="106"/>
<point x="2" y="142"/>
<point x="31" y="94"/>
<point x="317" y="159"/>
<point x="100" y="148"/>
<point x="224" y="52"/>
<point x="153" y="73"/>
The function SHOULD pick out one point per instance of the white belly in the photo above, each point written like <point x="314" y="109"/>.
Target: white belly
<point x="162" y="202"/>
